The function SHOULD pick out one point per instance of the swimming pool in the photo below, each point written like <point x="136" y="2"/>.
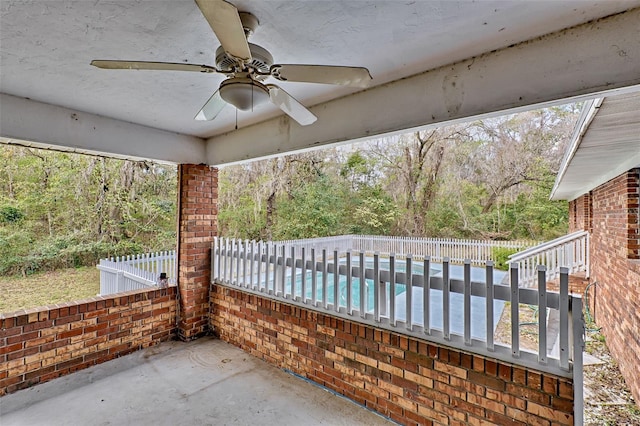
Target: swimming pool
<point x="456" y="300"/>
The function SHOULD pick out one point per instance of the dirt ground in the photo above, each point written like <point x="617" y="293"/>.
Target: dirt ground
<point x="528" y="332"/>
<point x="607" y="400"/>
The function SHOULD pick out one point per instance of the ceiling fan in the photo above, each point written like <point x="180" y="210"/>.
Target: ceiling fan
<point x="247" y="65"/>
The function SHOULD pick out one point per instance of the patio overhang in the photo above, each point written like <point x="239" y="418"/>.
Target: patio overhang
<point x="605" y="144"/>
<point x="459" y="60"/>
<point x="32" y="123"/>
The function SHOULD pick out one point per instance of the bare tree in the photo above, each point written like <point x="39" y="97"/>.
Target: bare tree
<point x="413" y="164"/>
<point x="517" y="149"/>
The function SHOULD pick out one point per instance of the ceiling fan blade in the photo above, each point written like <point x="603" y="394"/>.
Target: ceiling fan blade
<point x="290" y="106"/>
<point x="211" y="108"/>
<point x="142" y="65"/>
<point x="225" y="22"/>
<point x="329" y="74"/>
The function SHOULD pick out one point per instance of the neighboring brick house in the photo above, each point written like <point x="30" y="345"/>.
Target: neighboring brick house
<point x="600" y="177"/>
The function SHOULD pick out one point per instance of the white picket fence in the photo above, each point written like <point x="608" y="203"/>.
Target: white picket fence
<point x="477" y="251"/>
<point x="570" y="251"/>
<point x="136" y="272"/>
<point x="407" y="296"/>
<point x="340" y="242"/>
<point x="143" y="270"/>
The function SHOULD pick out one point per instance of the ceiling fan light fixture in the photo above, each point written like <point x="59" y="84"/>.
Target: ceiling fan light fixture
<point x="244" y="93"/>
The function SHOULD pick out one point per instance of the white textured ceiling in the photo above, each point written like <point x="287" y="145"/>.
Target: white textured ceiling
<point x="46" y="47"/>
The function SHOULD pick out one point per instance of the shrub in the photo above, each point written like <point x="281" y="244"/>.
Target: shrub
<point x="10" y="214"/>
<point x="63" y="252"/>
<point x="501" y="256"/>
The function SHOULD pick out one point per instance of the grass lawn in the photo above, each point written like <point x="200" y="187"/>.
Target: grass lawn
<point x="64" y="285"/>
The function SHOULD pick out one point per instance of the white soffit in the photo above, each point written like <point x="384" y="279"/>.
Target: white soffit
<point x="608" y="146"/>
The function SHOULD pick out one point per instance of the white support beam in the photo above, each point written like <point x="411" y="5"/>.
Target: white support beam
<point x="27" y="122"/>
<point x="575" y="63"/>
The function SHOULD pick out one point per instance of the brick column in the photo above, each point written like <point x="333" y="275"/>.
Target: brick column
<point x="197" y="225"/>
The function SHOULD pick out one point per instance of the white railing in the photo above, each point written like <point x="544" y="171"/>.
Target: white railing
<point x="478" y="251"/>
<point x="570" y="251"/>
<point x="385" y="292"/>
<point x="137" y="272"/>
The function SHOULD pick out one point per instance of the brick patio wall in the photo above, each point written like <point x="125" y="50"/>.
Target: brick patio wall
<point x="41" y="344"/>
<point x="197" y="222"/>
<point x="408" y="380"/>
<point x="615" y="269"/>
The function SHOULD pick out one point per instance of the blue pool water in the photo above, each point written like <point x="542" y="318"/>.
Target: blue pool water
<point x="456" y="311"/>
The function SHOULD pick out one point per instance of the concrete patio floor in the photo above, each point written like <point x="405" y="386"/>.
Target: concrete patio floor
<point x="204" y="382"/>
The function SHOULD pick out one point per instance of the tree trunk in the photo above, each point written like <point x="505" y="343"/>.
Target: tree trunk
<point x="102" y="195"/>
<point x="271" y="209"/>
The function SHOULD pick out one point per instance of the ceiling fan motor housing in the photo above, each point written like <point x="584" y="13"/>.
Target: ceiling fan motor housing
<point x="261" y="59"/>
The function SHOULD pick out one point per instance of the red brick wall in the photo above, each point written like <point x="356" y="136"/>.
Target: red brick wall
<point x="580" y="214"/>
<point x="406" y="379"/>
<point x="41" y="344"/>
<point x="197" y="223"/>
<point x="615" y="268"/>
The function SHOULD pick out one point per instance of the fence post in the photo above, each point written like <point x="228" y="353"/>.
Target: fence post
<point x="577" y="336"/>
<point x="445" y="298"/>
<point x="314" y="278"/>
<point x="336" y="282"/>
<point x="564" y="318"/>
<point x="259" y="271"/>
<point x="363" y="286"/>
<point x="283" y="273"/>
<point x="214" y="254"/>
<point x="542" y="314"/>
<point x="325" y="276"/>
<point x="379" y="292"/>
<point x="348" y="300"/>
<point x="489" y="304"/>
<point x="275" y="269"/>
<point x="238" y="256"/>
<point x="426" y="293"/>
<point x="293" y="285"/>
<point x="515" y="312"/>
<point x="392" y="289"/>
<point x="245" y="253"/>
<point x="409" y="292"/>
<point x="303" y="274"/>
<point x="467" y="302"/>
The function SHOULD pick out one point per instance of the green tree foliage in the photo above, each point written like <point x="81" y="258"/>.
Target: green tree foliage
<point x="314" y="209"/>
<point x="488" y="179"/>
<point x="65" y="210"/>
